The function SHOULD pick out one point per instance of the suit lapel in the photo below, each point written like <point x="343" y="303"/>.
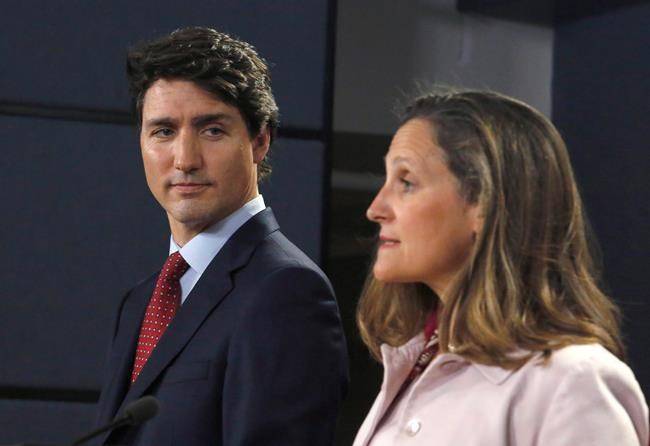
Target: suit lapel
<point x="211" y="289"/>
<point x="121" y="360"/>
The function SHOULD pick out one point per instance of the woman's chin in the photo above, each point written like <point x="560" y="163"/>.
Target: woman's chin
<point x="387" y="275"/>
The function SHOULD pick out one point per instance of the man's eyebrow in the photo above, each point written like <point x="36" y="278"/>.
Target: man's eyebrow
<point x="201" y="120"/>
<point x="197" y="121"/>
<point x="156" y="122"/>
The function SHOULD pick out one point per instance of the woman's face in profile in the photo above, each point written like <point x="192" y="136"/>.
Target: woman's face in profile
<point x="426" y="228"/>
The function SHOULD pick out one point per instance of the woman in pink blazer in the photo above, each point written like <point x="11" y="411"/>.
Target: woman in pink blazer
<point x="483" y="304"/>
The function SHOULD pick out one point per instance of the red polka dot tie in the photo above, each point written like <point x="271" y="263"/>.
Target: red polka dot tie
<point x="162" y="307"/>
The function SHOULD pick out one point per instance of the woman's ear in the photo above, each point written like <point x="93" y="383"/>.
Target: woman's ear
<point x="476" y="217"/>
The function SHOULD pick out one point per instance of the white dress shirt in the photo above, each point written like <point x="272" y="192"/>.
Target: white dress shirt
<point x="203" y="247"/>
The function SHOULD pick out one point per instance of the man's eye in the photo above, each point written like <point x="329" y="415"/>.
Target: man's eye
<point x="214" y="131"/>
<point x="164" y="132"/>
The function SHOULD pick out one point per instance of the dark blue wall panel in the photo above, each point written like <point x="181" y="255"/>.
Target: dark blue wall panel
<point x="294" y="191"/>
<point x="80" y="230"/>
<point x="44" y="422"/>
<point x="71" y="52"/>
<point x="600" y="104"/>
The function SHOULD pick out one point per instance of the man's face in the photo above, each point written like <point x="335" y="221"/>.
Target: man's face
<point x="199" y="159"/>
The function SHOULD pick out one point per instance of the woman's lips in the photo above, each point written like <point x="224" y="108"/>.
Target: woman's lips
<point x="386" y="242"/>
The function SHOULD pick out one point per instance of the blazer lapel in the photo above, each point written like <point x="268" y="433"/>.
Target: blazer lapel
<point x="211" y="289"/>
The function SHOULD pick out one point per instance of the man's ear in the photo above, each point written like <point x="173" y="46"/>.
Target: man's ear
<point x="261" y="144"/>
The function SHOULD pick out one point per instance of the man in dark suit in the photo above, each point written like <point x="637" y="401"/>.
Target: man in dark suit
<point x="239" y="335"/>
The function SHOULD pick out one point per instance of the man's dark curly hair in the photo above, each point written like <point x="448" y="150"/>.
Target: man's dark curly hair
<point x="224" y="66"/>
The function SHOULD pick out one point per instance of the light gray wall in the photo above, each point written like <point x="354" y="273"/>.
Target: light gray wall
<point x="385" y="46"/>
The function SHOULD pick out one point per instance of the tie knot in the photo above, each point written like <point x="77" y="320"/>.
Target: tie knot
<point x="174" y="267"/>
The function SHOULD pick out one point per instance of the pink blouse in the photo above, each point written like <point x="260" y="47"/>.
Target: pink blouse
<point x="583" y="396"/>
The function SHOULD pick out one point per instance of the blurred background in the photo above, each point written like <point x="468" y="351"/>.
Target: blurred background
<point x="79" y="227"/>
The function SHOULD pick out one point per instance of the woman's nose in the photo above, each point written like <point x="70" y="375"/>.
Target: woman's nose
<point x="378" y="210"/>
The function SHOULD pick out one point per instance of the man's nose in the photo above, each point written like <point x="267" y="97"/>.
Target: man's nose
<point x="187" y="156"/>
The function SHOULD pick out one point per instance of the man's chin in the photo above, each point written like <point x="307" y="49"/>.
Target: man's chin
<point x="192" y="219"/>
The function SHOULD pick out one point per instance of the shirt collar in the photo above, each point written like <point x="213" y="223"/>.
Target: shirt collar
<point x="203" y="247"/>
<point x="494" y="374"/>
<point x="408" y="353"/>
<point x="497" y="374"/>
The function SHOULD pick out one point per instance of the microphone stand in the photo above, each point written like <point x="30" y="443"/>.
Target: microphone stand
<point x="122" y="421"/>
<point x="134" y="414"/>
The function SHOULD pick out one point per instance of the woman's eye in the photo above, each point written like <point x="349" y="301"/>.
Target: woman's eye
<point x="406" y="184"/>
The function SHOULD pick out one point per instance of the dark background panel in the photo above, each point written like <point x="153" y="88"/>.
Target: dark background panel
<point x="295" y="189"/>
<point x="43" y="421"/>
<point x="71" y="52"/>
<point x="543" y="12"/>
<point x="600" y="104"/>
<point x="81" y="228"/>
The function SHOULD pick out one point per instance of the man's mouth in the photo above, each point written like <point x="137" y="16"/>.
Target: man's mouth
<point x="187" y="188"/>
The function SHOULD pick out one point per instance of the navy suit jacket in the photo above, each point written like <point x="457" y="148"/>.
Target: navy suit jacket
<point x="255" y="356"/>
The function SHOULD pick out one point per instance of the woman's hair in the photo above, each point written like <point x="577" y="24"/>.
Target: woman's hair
<point x="530" y="282"/>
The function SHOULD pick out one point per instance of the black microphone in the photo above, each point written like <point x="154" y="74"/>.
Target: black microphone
<point x="141" y="410"/>
<point x="135" y="413"/>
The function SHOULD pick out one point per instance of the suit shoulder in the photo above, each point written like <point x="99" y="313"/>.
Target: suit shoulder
<point x="581" y="371"/>
<point x="587" y="392"/>
<point x="574" y="366"/>
<point x="279" y="274"/>
<point x="276" y="252"/>
<point x="588" y="358"/>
